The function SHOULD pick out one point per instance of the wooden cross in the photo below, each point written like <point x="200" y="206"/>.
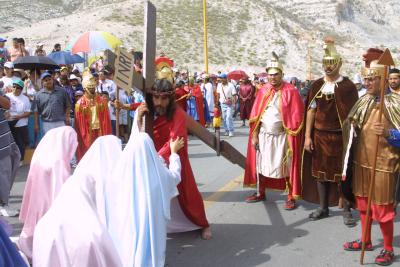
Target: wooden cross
<point x="145" y="82"/>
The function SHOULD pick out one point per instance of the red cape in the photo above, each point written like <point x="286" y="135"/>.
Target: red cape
<point x="292" y="108"/>
<point x="83" y="117"/>
<point x="196" y="92"/>
<point x="189" y="197"/>
<point x="181" y="94"/>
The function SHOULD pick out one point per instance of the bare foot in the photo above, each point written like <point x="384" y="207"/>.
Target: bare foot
<point x="206" y="233"/>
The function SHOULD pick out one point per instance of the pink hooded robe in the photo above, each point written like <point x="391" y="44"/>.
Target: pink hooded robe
<point x="49" y="169"/>
<point x="73" y="232"/>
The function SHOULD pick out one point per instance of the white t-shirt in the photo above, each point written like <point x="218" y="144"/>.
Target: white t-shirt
<point x="123" y="114"/>
<point x="109" y="86"/>
<point x="8" y="83"/>
<point x="19" y="105"/>
<point x="225" y="92"/>
<point x="111" y="110"/>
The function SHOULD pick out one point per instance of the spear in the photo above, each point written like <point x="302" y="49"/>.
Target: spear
<point x="386" y="60"/>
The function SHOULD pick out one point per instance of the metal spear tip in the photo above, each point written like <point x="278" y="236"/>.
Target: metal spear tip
<point x="386" y="58"/>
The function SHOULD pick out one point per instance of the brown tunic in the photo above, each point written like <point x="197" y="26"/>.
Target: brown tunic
<point x="324" y="164"/>
<point x="386" y="166"/>
<point x="328" y="144"/>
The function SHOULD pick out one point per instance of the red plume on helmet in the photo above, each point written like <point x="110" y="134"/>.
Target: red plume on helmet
<point x="371" y="55"/>
<point x="165" y="61"/>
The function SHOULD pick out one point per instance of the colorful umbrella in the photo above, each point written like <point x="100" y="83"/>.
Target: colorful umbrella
<point x="94" y="41"/>
<point x="237" y="75"/>
<point x="65" y="58"/>
<point x="262" y="75"/>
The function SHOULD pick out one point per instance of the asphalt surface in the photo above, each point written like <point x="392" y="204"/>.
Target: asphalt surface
<point x="257" y="234"/>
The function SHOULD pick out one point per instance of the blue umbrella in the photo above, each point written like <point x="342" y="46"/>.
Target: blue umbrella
<point x="65" y="58"/>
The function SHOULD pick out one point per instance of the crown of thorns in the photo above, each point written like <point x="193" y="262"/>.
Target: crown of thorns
<point x="164" y="93"/>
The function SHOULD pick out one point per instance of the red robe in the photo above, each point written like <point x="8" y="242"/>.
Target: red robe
<point x="181" y="95"/>
<point x="196" y="92"/>
<point x="292" y="110"/>
<point x="246" y="93"/>
<point x="189" y="197"/>
<point x="83" y="116"/>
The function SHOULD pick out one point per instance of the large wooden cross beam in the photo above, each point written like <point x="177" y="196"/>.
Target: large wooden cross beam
<point x="145" y="82"/>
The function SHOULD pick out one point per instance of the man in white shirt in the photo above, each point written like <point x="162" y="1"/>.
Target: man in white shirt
<point x="106" y="85"/>
<point x="17" y="116"/>
<point x="123" y="116"/>
<point x="227" y="98"/>
<point x="9" y="78"/>
<point x="208" y="93"/>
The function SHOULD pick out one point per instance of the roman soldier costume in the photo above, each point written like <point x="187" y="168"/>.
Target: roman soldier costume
<point x="277" y="119"/>
<point x="328" y="104"/>
<point x="360" y="140"/>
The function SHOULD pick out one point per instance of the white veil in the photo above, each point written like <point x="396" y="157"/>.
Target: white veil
<point x="138" y="197"/>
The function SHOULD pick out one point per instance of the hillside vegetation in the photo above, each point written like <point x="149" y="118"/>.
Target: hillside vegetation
<point x="242" y="33"/>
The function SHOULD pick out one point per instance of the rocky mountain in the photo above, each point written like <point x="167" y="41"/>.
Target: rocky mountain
<point x="242" y="33"/>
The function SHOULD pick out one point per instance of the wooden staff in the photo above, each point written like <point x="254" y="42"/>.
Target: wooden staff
<point x="386" y="60"/>
<point x="117" y="110"/>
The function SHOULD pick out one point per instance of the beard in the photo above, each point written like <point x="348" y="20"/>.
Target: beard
<point x="159" y="111"/>
<point x="332" y="70"/>
<point x="394" y="86"/>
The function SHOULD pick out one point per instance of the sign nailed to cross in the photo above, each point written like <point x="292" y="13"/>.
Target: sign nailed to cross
<point x="123" y="69"/>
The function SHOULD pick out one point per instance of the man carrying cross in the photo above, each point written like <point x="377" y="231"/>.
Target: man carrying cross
<point x="187" y="210"/>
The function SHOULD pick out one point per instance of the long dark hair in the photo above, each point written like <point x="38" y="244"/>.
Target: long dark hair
<point x="162" y="86"/>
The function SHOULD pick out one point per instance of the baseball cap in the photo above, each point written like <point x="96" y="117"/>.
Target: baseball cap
<point x="9" y="65"/>
<point x="3" y="40"/>
<point x="45" y="74"/>
<point x="74" y="77"/>
<point x="19" y="82"/>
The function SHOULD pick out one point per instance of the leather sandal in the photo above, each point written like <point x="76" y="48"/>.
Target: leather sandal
<point x="356" y="245"/>
<point x="290" y="204"/>
<point x="385" y="258"/>
<point x="319" y="214"/>
<point x="255" y="198"/>
<point x="348" y="219"/>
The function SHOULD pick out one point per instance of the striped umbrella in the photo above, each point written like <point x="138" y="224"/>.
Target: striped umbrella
<point x="93" y="41"/>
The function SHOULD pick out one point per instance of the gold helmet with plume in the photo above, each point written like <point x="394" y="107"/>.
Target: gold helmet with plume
<point x="88" y="81"/>
<point x="331" y="56"/>
<point x="164" y="73"/>
<point x="372" y="68"/>
<point x="274" y="65"/>
<point x="164" y="68"/>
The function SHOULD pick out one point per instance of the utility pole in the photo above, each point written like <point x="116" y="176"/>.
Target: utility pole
<point x="205" y="36"/>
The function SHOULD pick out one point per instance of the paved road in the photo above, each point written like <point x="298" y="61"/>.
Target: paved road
<point x="258" y="234"/>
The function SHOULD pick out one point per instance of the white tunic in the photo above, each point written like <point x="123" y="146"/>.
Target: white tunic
<point x="273" y="161"/>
